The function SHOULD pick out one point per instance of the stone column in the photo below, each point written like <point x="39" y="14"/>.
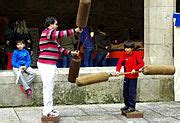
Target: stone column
<point x="158" y="31"/>
<point x="177" y="56"/>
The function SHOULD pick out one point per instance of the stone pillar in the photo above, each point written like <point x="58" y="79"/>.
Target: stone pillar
<point x="177" y="56"/>
<point x="158" y="31"/>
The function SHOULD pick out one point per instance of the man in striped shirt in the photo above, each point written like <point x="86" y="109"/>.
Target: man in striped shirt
<point x="49" y="54"/>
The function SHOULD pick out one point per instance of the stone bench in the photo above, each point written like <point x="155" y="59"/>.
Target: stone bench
<point x="150" y="88"/>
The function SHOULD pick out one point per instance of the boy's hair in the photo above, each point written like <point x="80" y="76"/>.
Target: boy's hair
<point x="49" y="20"/>
<point x="20" y="41"/>
<point x="129" y="44"/>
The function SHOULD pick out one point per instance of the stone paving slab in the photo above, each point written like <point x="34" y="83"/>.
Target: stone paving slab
<point x="70" y="111"/>
<point x="92" y="110"/>
<point x="8" y="115"/>
<point x="29" y="114"/>
<point x="154" y="112"/>
<point x="96" y="118"/>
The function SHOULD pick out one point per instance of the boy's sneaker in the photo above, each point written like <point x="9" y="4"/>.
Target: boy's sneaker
<point x="129" y="110"/>
<point x="124" y="108"/>
<point x="29" y="93"/>
<point x="22" y="89"/>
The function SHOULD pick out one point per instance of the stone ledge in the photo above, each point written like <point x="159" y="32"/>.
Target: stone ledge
<point x="150" y="88"/>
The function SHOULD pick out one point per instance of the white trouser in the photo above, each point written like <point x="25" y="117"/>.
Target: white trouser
<point x="47" y="73"/>
<point x="26" y="82"/>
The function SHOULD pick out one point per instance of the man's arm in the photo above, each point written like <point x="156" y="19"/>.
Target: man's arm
<point x="55" y="34"/>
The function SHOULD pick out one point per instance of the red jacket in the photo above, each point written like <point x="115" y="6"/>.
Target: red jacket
<point x="130" y="62"/>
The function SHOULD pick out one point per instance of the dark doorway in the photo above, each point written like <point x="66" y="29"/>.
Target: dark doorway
<point x="177" y="6"/>
<point x="124" y="19"/>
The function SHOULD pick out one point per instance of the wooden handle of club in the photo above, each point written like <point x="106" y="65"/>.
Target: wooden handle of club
<point x="119" y="74"/>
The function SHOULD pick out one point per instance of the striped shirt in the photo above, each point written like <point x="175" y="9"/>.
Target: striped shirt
<point x="49" y="47"/>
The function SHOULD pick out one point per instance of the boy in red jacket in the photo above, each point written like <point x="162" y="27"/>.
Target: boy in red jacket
<point x="132" y="62"/>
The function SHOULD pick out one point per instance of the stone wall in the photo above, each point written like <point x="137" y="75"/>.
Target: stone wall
<point x="150" y="88"/>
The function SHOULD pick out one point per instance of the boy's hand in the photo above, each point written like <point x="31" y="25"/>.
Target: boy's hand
<point x="22" y="68"/>
<point x="74" y="53"/>
<point x="115" y="74"/>
<point x="78" y="30"/>
<point x="133" y="71"/>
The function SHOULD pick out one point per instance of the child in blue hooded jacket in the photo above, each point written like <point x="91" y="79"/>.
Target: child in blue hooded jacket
<point x="21" y="62"/>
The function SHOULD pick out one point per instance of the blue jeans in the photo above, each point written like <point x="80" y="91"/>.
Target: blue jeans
<point x="88" y="57"/>
<point x="65" y="60"/>
<point x="99" y="60"/>
<point x="129" y="92"/>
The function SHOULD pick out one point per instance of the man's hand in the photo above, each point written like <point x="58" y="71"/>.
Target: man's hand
<point x="92" y="34"/>
<point x="29" y="41"/>
<point x="75" y="53"/>
<point x="79" y="30"/>
<point x="31" y="53"/>
<point x="107" y="56"/>
<point x="7" y="42"/>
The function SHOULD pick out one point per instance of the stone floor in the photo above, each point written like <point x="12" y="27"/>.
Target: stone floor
<point x="154" y="112"/>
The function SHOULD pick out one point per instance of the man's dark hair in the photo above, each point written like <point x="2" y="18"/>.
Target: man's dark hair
<point x="49" y="20"/>
<point x="20" y="41"/>
<point x="129" y="44"/>
<point x="101" y="27"/>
